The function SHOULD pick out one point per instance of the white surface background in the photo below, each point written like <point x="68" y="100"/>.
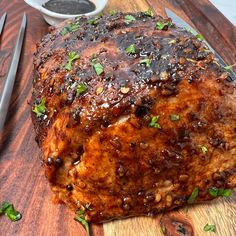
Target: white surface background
<point x="227" y="7"/>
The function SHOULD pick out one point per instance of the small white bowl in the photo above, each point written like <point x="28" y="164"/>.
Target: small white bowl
<point x="53" y="18"/>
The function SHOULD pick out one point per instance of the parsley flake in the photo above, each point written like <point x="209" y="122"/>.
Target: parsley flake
<point x="81" y="89"/>
<point x="209" y="228"/>
<point x="154" y="122"/>
<point x="40" y="109"/>
<point x="163" y="230"/>
<point x="98" y="67"/>
<point x="72" y="56"/>
<point x="149" y="13"/>
<point x="130" y="50"/>
<point x="93" y="21"/>
<point x="214" y="192"/>
<point x="81" y="219"/>
<point x="230" y="67"/>
<point x="204" y="149"/>
<point x="72" y="27"/>
<point x="146" y="61"/>
<point x="193" y="196"/>
<point x="112" y="12"/>
<point x="8" y="209"/>
<point x="160" y="25"/>
<point x="199" y="37"/>
<point x="174" y="117"/>
<point x="129" y="19"/>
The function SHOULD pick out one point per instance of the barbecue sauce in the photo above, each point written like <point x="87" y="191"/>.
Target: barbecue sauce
<point x="70" y="7"/>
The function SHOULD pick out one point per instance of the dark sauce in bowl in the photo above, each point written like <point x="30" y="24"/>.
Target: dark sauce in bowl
<point x="70" y="7"/>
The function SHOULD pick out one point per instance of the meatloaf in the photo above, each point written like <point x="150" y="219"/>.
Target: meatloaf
<point x="133" y="116"/>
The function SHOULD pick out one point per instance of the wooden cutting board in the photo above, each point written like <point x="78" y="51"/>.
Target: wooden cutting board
<point x="22" y="179"/>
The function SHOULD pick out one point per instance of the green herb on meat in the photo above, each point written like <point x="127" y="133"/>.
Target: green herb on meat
<point x="130" y="50"/>
<point x="174" y="117"/>
<point x="40" y="109"/>
<point x="193" y="196"/>
<point x="72" y="27"/>
<point x="149" y="13"/>
<point x="81" y="89"/>
<point x="154" y="122"/>
<point x="146" y="62"/>
<point x="160" y="25"/>
<point x="72" y="56"/>
<point x="215" y="192"/>
<point x="129" y="19"/>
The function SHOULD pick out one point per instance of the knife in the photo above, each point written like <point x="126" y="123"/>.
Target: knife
<point x="180" y="22"/>
<point x="2" y="22"/>
<point x="8" y="87"/>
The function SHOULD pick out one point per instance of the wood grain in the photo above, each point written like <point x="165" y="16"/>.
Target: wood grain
<point x="22" y="178"/>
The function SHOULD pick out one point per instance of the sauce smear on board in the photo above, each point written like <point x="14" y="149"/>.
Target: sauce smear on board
<point x="70" y="7"/>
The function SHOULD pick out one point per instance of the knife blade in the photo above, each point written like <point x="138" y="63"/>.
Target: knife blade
<point x="2" y="22"/>
<point x="8" y="87"/>
<point x="182" y="23"/>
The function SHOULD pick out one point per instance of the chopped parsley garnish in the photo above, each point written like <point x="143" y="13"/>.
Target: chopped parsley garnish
<point x="131" y="49"/>
<point x="8" y="209"/>
<point x="204" y="149"/>
<point x="174" y="117"/>
<point x="154" y="122"/>
<point x="230" y="67"/>
<point x="40" y="109"/>
<point x="72" y="56"/>
<point x="72" y="27"/>
<point x="129" y="19"/>
<point x="149" y="13"/>
<point x="81" y="89"/>
<point x="160" y="25"/>
<point x="98" y="67"/>
<point x="93" y="21"/>
<point x="81" y="219"/>
<point x="193" y="196"/>
<point x="200" y="37"/>
<point x="209" y="228"/>
<point x="112" y="12"/>
<point x="214" y="192"/>
<point x="163" y="230"/>
<point x="146" y="61"/>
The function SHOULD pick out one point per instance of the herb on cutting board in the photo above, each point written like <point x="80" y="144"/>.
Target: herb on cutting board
<point x="209" y="228"/>
<point x="7" y="209"/>
<point x="81" y="219"/>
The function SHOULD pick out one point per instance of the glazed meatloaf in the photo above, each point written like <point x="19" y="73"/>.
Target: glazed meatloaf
<point x="133" y="115"/>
